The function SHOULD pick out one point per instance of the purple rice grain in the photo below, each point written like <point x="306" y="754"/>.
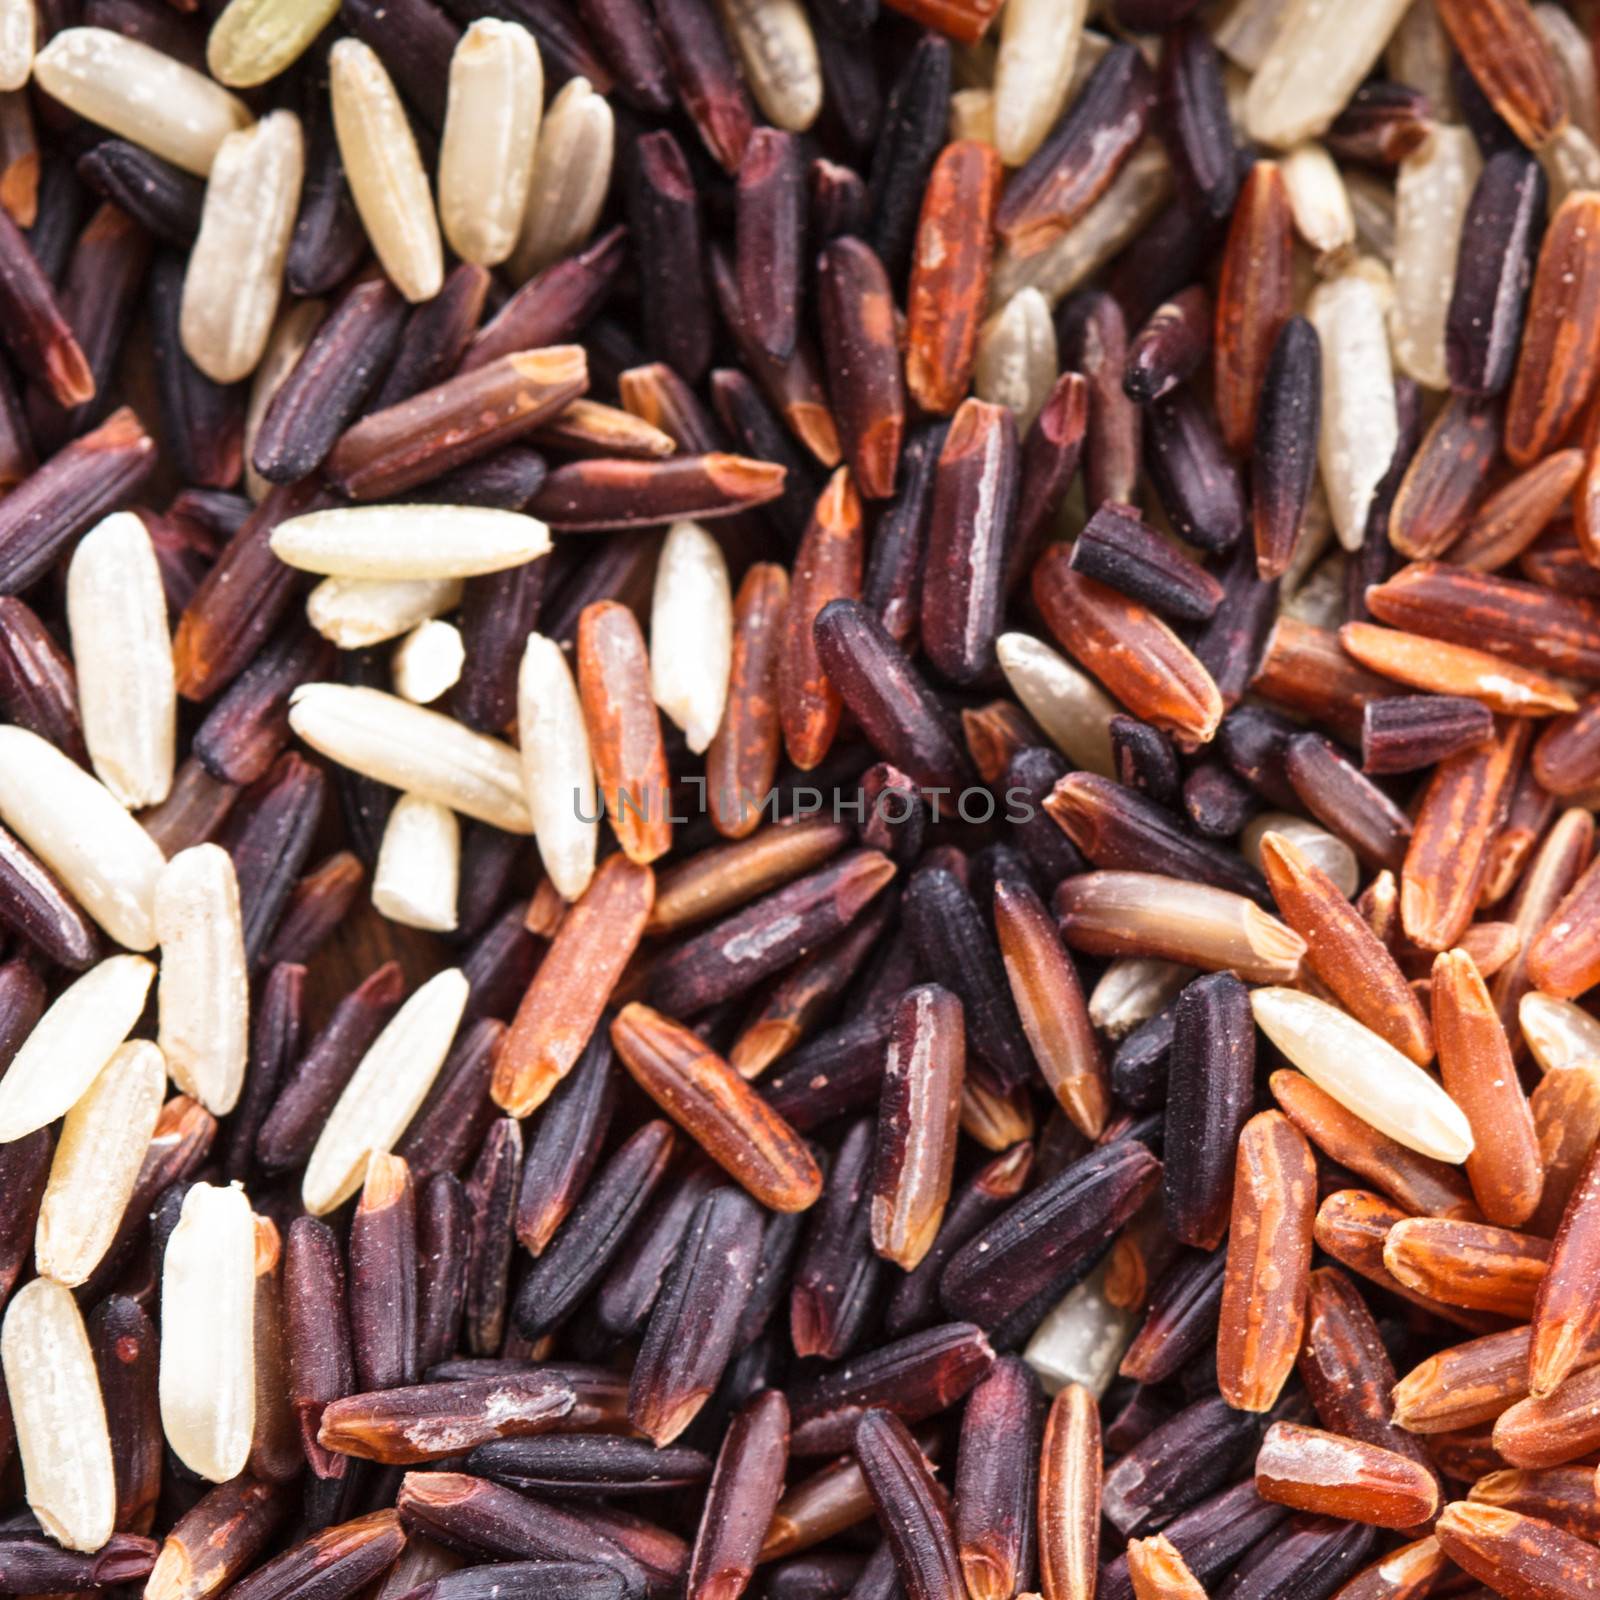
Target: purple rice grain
<point x="311" y="1089"/>
<point x="316" y="1334"/>
<point x="155" y="194"/>
<point x="911" y="134"/>
<point x="1117" y="549"/>
<point x="443" y="1247"/>
<point x="317" y="905"/>
<point x="1093" y="336"/>
<point x="1195" y="121"/>
<point x="664" y="219"/>
<point x="492" y="1197"/>
<point x="838" y="200"/>
<point x="1494" y="268"/>
<point x="770" y="236"/>
<point x="1193" y="475"/>
<point x="837" y="1275"/>
<point x="38" y="909"/>
<point x="276" y="1029"/>
<point x="689" y="1337"/>
<point x="348" y="354"/>
<point x="624" y="34"/>
<point x="587" y="1242"/>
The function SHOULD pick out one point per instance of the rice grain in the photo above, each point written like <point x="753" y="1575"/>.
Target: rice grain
<point x="96" y="1163"/>
<point x="419" y="865"/>
<point x="691" y="633"/>
<point x="140" y="94"/>
<point x="571" y="175"/>
<point x="383" y="1095"/>
<point x="491" y="131"/>
<point x="411" y="748"/>
<point x="235" y="271"/>
<point x="208" y="1381"/>
<point x="427" y="662"/>
<point x="59" y="1416"/>
<point x="385" y="173"/>
<point x="71" y="1044"/>
<point x="204" y="993"/>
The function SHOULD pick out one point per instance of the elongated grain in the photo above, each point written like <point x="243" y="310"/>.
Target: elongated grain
<point x="117" y="616"/>
<point x="71" y="1043"/>
<point x="388" y="739"/>
<point x="383" y="1095"/>
<point x="1269" y="1261"/>
<point x="1363" y="1073"/>
<point x="140" y="94"/>
<point x="691" y="633"/>
<point x="1478" y="1072"/>
<point x="782" y="64"/>
<point x="204" y="993"/>
<point x="706" y="1097"/>
<point x="1433" y="188"/>
<point x="571" y="174"/>
<point x="59" y="1416"/>
<point x="1069" y="706"/>
<point x="557" y="768"/>
<point x="409" y="543"/>
<point x="917" y="1124"/>
<point x="96" y="1163"/>
<point x="1360" y="427"/>
<point x="491" y="132"/>
<point x="208" y="1380"/>
<point x="562" y="1006"/>
<point x="385" y="173"/>
<point x="1033" y="72"/>
<point x="1069" y="1496"/>
<point x="235" y="271"/>
<point x="1149" y="914"/>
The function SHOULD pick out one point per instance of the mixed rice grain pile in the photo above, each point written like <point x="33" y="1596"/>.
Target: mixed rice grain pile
<point x="800" y="799"/>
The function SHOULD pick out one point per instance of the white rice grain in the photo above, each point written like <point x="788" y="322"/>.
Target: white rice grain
<point x="410" y="542"/>
<point x="384" y="170"/>
<point x="207" y="1379"/>
<point x="1433" y="189"/>
<point x="779" y="53"/>
<point x="428" y="662"/>
<point x="137" y="93"/>
<point x="1360" y="427"/>
<point x="1033" y="71"/>
<point x="203" y="998"/>
<point x="571" y="178"/>
<point x="1320" y="52"/>
<point x="382" y="1097"/>
<point x="557" y="767"/>
<point x="691" y="633"/>
<point x="1071" y="708"/>
<point x="67" y="1474"/>
<point x="491" y="130"/>
<point x="71" y="1043"/>
<point x="74" y="824"/>
<point x="252" y="41"/>
<point x="413" y="749"/>
<point x="419" y="865"/>
<point x="127" y="693"/>
<point x="103" y="1144"/>
<point x="354" y="613"/>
